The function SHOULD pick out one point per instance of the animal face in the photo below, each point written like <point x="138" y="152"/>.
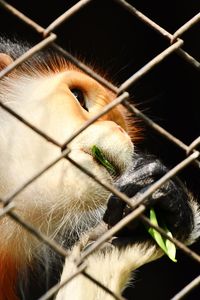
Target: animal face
<point x="59" y="104"/>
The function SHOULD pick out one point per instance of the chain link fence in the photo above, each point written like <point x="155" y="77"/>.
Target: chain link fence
<point x="48" y="37"/>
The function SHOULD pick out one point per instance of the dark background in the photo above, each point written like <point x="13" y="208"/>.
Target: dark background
<point x="118" y="44"/>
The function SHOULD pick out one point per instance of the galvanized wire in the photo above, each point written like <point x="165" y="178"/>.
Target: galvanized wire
<point x="41" y="45"/>
<point x="186" y="27"/>
<point x="186" y="56"/>
<point x="137" y="205"/>
<point x="187" y="289"/>
<point x="39" y="29"/>
<point x="66" y="16"/>
<point x="149" y="66"/>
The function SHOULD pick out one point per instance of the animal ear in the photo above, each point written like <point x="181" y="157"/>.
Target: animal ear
<point x="5" y="60"/>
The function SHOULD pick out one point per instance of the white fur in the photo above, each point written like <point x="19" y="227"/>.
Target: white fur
<point x="63" y="198"/>
<point x="113" y="268"/>
<point x="195" y="234"/>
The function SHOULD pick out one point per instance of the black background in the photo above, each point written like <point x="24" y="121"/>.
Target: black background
<point x="118" y="44"/>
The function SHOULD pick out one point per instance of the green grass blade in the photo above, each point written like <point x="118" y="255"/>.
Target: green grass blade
<point x="98" y="155"/>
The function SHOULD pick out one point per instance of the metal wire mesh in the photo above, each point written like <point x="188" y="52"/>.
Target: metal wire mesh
<point x="175" y="43"/>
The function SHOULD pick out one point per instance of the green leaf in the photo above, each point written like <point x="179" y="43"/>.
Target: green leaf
<point x="166" y="245"/>
<point x="99" y="156"/>
<point x="171" y="248"/>
<point x="154" y="233"/>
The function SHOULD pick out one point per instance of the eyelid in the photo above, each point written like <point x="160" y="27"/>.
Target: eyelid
<point x="80" y="93"/>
